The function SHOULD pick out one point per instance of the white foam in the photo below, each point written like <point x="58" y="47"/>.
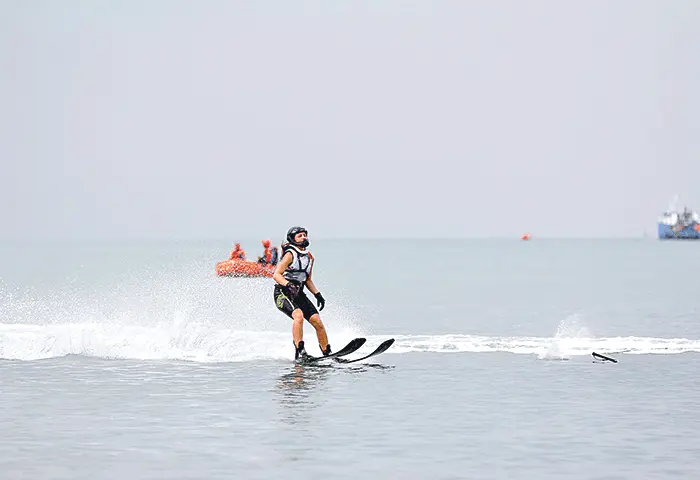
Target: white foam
<point x="192" y="341"/>
<point x="565" y="347"/>
<point x="205" y="319"/>
<point x="222" y="320"/>
<point x="571" y="327"/>
<point x="202" y="343"/>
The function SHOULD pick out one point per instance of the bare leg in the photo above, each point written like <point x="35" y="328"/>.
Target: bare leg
<point x="316" y="322"/>
<point x="298" y="326"/>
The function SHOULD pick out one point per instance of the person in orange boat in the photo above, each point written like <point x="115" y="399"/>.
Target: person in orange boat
<point x="270" y="255"/>
<point x="266" y="258"/>
<point x="237" y="253"/>
<point x="292" y="274"/>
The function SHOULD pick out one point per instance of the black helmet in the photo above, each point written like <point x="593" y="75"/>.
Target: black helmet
<point x="292" y="232"/>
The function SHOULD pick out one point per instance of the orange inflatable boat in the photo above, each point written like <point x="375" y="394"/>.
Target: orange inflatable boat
<point x="243" y="268"/>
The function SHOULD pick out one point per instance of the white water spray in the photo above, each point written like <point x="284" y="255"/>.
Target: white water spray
<point x="570" y="332"/>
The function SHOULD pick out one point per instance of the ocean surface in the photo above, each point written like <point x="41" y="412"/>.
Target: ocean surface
<point x="134" y="360"/>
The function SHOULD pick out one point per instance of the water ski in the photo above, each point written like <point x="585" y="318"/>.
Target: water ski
<point x="383" y="347"/>
<point x="347" y="349"/>
<point x="598" y="356"/>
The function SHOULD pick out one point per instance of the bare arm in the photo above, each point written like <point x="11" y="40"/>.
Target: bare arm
<point x="311" y="286"/>
<point x="281" y="267"/>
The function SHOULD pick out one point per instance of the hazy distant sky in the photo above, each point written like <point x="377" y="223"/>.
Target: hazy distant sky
<point x="228" y="119"/>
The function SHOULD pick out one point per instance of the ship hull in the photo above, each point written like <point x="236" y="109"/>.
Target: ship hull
<point x="667" y="232"/>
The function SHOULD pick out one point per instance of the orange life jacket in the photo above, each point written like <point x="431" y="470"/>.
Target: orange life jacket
<point x="237" y="254"/>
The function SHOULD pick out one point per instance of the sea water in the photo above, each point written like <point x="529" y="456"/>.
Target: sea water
<point x="134" y="360"/>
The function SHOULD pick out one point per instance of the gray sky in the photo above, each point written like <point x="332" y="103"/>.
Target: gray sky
<point x="226" y="119"/>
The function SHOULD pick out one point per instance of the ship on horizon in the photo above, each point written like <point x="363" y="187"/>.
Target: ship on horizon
<point x="676" y="225"/>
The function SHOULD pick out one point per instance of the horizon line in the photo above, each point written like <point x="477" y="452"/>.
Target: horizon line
<point x="317" y="238"/>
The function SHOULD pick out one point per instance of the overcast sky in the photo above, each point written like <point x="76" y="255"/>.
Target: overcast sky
<point x="228" y="119"/>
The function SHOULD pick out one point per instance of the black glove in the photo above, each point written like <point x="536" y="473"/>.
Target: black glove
<point x="292" y="288"/>
<point x="320" y="301"/>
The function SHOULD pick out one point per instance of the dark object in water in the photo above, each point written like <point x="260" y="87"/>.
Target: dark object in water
<point x="603" y="357"/>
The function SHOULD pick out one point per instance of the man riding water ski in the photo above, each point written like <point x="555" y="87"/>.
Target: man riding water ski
<point x="293" y="272"/>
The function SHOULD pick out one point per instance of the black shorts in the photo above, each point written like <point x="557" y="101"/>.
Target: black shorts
<point x="287" y="305"/>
